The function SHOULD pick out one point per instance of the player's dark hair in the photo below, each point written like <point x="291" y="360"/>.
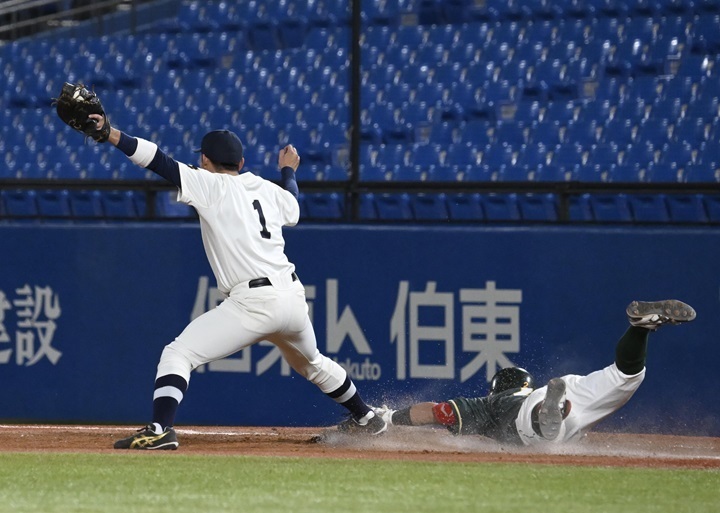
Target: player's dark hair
<point x="226" y="166"/>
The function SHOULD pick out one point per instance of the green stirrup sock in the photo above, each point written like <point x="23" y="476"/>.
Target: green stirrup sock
<point x="402" y="418"/>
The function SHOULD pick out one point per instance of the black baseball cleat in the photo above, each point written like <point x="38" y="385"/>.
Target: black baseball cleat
<point x="372" y="426"/>
<point x="653" y="314"/>
<point x="147" y="439"/>
<point x="552" y="409"/>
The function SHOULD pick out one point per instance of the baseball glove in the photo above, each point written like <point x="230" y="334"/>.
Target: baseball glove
<point x="75" y="104"/>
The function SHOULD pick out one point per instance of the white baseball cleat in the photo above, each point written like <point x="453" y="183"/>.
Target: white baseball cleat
<point x="653" y="314"/>
<point x="386" y="413"/>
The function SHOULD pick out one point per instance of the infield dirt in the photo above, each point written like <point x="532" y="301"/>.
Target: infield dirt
<point x="598" y="449"/>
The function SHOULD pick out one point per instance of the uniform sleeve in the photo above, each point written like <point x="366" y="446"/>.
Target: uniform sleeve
<point x="288" y="181"/>
<point x="472" y="416"/>
<point x="288" y="206"/>
<point x="147" y="154"/>
<point x="198" y="188"/>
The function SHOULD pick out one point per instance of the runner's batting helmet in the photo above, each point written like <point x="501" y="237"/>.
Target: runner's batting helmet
<point x="512" y="377"/>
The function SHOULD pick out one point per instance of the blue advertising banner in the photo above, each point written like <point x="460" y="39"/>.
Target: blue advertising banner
<point x="413" y="314"/>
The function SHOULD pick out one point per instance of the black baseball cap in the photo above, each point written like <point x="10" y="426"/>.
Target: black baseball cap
<point x="222" y="147"/>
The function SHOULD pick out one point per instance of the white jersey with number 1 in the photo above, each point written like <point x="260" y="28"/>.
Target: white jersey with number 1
<point x="241" y="219"/>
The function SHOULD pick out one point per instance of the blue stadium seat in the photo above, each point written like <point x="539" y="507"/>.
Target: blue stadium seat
<point x="702" y="173"/>
<point x="410" y="36"/>
<point x="514" y="174"/>
<point x="482" y="12"/>
<point x="119" y="204"/>
<point x="444" y="133"/>
<point x="393" y="207"/>
<point x="535" y="90"/>
<point x="563" y="111"/>
<point x="694" y="132"/>
<point x="613" y="89"/>
<point x="515" y="71"/>
<point x="513" y="134"/>
<point x="497" y="156"/>
<point x="551" y="173"/>
<point x="431" y="94"/>
<point x="649" y="208"/>
<point x="370" y="155"/>
<point x="547" y="133"/>
<point x="476" y="132"/>
<point x="534" y="156"/>
<point x="425" y="155"/>
<point x="568" y="156"/>
<point x="586" y="133"/>
<point x="501" y="207"/>
<point x="603" y="154"/>
<point x="166" y="205"/>
<point x="393" y="155"/>
<point x="669" y="173"/>
<point x="409" y="173"/>
<point x="514" y="11"/>
<point x="545" y="13"/>
<point x="621" y="132"/>
<point x="465" y="207"/>
<point x="443" y="173"/>
<point x="370" y="131"/>
<point x="262" y="35"/>
<point x="454" y="11"/>
<point x="86" y="205"/>
<point x="232" y="20"/>
<point x="538" y="207"/>
<point x="682" y="89"/>
<point x="686" y="208"/>
<point x="291" y="31"/>
<point x="335" y="173"/>
<point x="21" y="203"/>
<point x="655" y="132"/>
<point x="629" y="173"/>
<point x="429" y="207"/>
<point x="590" y="174"/>
<point x="563" y="89"/>
<point x="678" y="9"/>
<point x="53" y="205"/>
<point x="324" y="205"/>
<point x="368" y="210"/>
<point x="301" y="203"/>
<point x="641" y="154"/>
<point x="328" y="14"/>
<point x="529" y="112"/>
<point x="319" y="38"/>
<point x="579" y="208"/>
<point x="712" y="206"/>
<point x="703" y="106"/>
<point x="610" y="207"/>
<point x="598" y="111"/>
<point x="195" y="17"/>
<point x="382" y="14"/>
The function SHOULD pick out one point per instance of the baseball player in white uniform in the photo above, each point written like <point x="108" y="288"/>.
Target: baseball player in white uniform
<point x="564" y="410"/>
<point x="241" y="219"/>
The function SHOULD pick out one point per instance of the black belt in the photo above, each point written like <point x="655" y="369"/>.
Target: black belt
<point x="265" y="282"/>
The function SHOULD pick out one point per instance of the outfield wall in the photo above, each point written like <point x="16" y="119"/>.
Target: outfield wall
<point x="414" y="313"/>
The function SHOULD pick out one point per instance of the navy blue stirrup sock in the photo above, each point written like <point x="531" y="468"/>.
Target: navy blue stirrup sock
<point x="348" y="396"/>
<point x="169" y="391"/>
<point x="631" y="350"/>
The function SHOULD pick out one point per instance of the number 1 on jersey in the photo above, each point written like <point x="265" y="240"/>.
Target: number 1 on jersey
<point x="263" y="233"/>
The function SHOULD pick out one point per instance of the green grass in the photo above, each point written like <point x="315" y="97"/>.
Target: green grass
<point x="173" y="483"/>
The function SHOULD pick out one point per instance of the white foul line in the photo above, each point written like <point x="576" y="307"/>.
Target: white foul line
<point x="114" y="428"/>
